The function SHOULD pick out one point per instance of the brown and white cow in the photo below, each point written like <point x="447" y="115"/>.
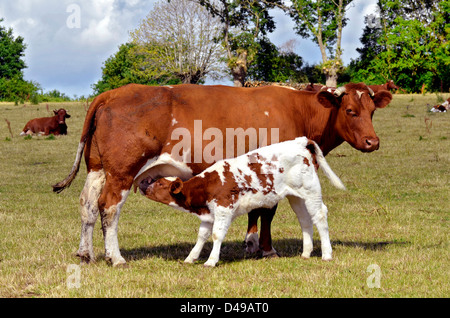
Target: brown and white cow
<point x="259" y="179"/>
<point x="136" y="132"/>
<point x="385" y="87"/>
<point x="55" y="125"/>
<point x="442" y="108"/>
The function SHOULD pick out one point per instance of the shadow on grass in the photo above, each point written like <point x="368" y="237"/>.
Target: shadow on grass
<point x="233" y="251"/>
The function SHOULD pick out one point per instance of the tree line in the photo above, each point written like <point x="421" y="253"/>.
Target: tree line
<point x="186" y="41"/>
<point x="183" y="41"/>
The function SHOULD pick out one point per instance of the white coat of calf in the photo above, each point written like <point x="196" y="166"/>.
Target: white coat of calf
<point x="260" y="178"/>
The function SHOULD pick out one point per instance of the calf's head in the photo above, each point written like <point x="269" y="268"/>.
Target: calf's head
<point x="61" y="115"/>
<point x="164" y="190"/>
<point x="355" y="105"/>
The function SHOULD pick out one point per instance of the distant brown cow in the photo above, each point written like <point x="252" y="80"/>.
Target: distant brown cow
<point x="314" y="87"/>
<point x="385" y="87"/>
<point x="55" y="125"/>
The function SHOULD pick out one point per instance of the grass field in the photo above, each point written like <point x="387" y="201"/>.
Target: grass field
<point x="389" y="230"/>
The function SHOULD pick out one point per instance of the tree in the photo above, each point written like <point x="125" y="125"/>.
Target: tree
<point x="323" y="20"/>
<point x="244" y="21"/>
<point x="12" y="50"/>
<point x="178" y="39"/>
<point x="410" y="46"/>
<point x="272" y="64"/>
<point x="118" y="70"/>
<point x="12" y="85"/>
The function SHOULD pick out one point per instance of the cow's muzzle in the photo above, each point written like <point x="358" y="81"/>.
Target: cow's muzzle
<point x="371" y="144"/>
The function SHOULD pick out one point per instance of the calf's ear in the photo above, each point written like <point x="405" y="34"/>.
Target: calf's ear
<point x="176" y="186"/>
<point x="382" y="99"/>
<point x="67" y="115"/>
<point x="327" y="99"/>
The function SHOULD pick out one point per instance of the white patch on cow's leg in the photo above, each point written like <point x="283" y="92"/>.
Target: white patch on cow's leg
<point x="95" y="181"/>
<point x="112" y="251"/>
<point x="252" y="242"/>
<point x="222" y="221"/>
<point x="204" y="232"/>
<point x="298" y="205"/>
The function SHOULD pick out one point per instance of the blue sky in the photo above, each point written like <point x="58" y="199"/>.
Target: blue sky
<point x="67" y="53"/>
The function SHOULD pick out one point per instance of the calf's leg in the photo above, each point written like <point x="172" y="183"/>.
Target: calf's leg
<point x="204" y="232"/>
<point x="298" y="205"/>
<point x="311" y="211"/>
<point x="222" y="221"/>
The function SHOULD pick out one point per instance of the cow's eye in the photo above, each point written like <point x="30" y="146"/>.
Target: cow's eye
<point x="351" y="112"/>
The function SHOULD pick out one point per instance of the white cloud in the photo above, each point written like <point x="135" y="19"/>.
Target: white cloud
<point x="65" y="58"/>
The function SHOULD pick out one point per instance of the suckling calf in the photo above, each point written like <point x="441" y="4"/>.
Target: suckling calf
<point x="260" y="178"/>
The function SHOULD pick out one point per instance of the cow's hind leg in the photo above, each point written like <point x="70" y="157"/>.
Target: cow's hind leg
<point x="89" y="212"/>
<point x="113" y="197"/>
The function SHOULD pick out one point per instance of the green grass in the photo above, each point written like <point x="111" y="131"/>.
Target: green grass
<point x="395" y="214"/>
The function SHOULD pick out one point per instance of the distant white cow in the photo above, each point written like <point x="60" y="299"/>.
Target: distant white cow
<point x="260" y="178"/>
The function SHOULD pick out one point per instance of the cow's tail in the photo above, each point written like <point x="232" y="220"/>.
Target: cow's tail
<point x="323" y="164"/>
<point x="88" y="129"/>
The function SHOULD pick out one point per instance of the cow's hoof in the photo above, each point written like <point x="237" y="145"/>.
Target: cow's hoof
<point x="85" y="257"/>
<point x="270" y="254"/>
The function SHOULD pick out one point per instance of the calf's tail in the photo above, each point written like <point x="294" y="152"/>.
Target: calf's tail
<point x="323" y="164"/>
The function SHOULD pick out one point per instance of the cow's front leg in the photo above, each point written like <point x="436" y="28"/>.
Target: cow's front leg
<point x="265" y="241"/>
<point x="251" y="238"/>
<point x="111" y="201"/>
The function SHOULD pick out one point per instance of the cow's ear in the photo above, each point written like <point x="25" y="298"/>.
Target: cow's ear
<point x="55" y="112"/>
<point x="176" y="186"/>
<point x="382" y="99"/>
<point x="327" y="99"/>
<point x="67" y="115"/>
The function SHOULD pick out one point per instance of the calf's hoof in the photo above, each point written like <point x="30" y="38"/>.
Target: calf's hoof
<point x="118" y="262"/>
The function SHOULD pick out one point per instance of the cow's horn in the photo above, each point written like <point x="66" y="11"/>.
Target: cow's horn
<point x="339" y="91"/>
<point x="370" y="91"/>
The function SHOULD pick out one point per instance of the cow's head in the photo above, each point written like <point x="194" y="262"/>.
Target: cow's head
<point x="61" y="115"/>
<point x="356" y="104"/>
